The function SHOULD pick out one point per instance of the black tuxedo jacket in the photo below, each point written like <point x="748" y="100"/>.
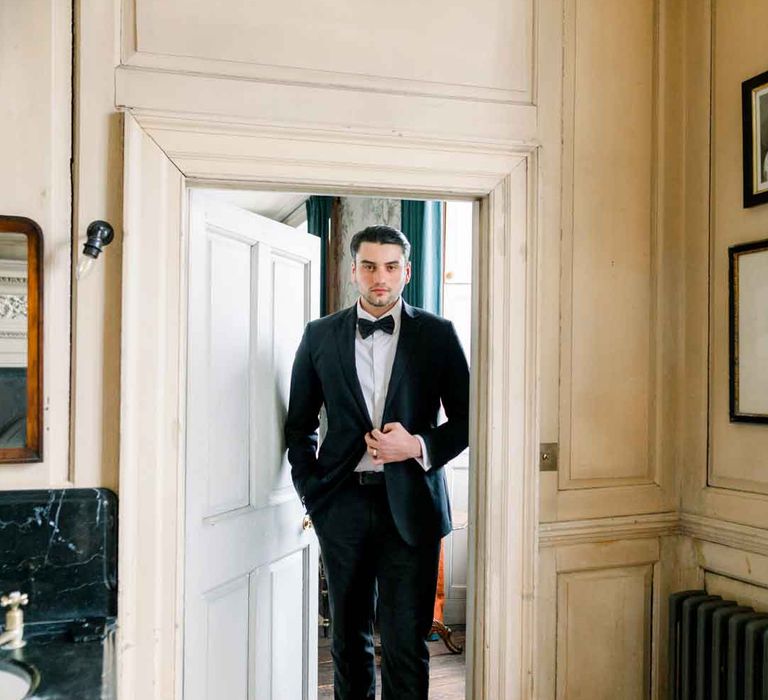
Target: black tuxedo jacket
<point x="429" y="367"/>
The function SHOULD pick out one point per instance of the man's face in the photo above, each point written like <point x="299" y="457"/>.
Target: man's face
<point x="380" y="273"/>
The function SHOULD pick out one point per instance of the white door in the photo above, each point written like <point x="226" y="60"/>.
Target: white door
<point x="250" y="613"/>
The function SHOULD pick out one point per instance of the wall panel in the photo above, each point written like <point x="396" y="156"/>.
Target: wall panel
<point x="36" y="119"/>
<point x="604" y="634"/>
<point x="731" y="561"/>
<point x="609" y="243"/>
<point x="598" y="616"/>
<point x="97" y="178"/>
<point x="731" y="570"/>
<point x="738" y="451"/>
<point x="733" y="589"/>
<point x="403" y="47"/>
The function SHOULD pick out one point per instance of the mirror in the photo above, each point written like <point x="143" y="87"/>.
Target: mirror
<point x="21" y="330"/>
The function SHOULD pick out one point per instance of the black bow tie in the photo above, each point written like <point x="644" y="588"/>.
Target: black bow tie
<point x="386" y="324"/>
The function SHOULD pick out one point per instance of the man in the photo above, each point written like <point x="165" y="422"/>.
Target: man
<point x="376" y="491"/>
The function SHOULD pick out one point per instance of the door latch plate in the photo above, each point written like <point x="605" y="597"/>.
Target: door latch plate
<point x="548" y="454"/>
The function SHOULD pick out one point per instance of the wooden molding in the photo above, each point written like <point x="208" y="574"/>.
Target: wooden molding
<point x="369" y="135"/>
<point x="206" y="97"/>
<point x="628" y="527"/>
<point x="319" y="78"/>
<point x="698" y="527"/>
<point x="736" y="535"/>
<point x="152" y="418"/>
<point x="296" y="156"/>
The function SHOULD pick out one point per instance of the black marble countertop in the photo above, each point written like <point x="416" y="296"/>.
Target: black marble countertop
<point x="69" y="670"/>
<point x="59" y="546"/>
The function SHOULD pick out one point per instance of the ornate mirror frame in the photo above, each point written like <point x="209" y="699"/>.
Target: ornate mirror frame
<point x="32" y="450"/>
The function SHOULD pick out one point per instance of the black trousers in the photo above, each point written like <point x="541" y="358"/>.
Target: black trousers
<point x="371" y="572"/>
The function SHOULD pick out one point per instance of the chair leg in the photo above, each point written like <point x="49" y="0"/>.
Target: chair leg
<point x="446" y="634"/>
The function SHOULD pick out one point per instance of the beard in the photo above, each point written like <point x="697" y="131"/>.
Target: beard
<point x="379" y="300"/>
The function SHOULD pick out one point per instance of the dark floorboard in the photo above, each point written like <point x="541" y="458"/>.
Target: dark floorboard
<point x="446" y="671"/>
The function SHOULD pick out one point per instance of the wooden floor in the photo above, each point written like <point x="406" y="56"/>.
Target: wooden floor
<point x="446" y="671"/>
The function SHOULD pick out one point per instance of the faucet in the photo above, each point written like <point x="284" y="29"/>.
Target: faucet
<point x="13" y="637"/>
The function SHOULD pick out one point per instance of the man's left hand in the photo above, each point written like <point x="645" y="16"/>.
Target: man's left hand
<point x="393" y="443"/>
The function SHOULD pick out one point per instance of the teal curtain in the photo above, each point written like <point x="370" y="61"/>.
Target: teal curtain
<point x="422" y="223"/>
<point x="319" y="224"/>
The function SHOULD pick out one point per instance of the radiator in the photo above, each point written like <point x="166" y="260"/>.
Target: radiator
<point x="718" y="650"/>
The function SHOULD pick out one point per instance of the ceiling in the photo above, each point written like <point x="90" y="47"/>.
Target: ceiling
<point x="273" y="205"/>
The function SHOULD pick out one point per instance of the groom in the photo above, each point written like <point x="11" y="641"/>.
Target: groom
<point x="376" y="490"/>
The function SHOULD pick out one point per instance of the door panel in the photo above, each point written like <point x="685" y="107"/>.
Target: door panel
<point x="290" y="282"/>
<point x="251" y="570"/>
<point x="227" y="639"/>
<point x="228" y="321"/>
<point x="287" y="585"/>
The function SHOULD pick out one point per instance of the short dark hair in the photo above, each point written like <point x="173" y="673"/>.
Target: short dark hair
<point x="380" y="234"/>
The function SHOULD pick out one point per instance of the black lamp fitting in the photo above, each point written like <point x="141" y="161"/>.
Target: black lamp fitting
<point x="99" y="233"/>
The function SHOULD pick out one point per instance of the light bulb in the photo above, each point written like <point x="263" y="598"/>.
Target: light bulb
<point x="84" y="266"/>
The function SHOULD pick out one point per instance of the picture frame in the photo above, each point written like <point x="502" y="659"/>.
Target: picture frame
<point x="754" y="109"/>
<point x="748" y="332"/>
<point x="21" y="340"/>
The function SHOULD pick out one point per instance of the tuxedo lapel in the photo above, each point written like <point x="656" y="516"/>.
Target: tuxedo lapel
<point x="345" y="342"/>
<point x="406" y="347"/>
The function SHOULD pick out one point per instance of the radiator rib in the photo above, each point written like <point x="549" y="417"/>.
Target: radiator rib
<point x="704" y="646"/>
<point x="674" y="650"/>
<point x="720" y="620"/>
<point x="691" y="606"/>
<point x="764" y="664"/>
<point x="735" y="666"/>
<point x="753" y="658"/>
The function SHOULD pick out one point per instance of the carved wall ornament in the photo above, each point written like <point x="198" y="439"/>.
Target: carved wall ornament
<point x="13" y="306"/>
<point x="14" y="335"/>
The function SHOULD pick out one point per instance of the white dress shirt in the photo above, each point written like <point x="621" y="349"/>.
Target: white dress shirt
<point x="374" y="357"/>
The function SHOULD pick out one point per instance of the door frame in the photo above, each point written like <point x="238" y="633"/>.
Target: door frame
<point x="165" y="154"/>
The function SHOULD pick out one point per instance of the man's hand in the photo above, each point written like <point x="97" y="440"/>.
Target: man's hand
<point x="393" y="443"/>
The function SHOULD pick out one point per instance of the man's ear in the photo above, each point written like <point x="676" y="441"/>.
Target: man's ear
<point x="408" y="272"/>
<point x="352" y="273"/>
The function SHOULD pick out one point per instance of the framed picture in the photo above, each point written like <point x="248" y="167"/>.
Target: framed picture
<point x="754" y="110"/>
<point x="748" y="276"/>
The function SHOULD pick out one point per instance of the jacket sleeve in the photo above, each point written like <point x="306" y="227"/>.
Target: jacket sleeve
<point x="448" y="439"/>
<point x="302" y="421"/>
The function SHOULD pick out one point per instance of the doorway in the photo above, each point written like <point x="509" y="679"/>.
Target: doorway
<point x="160" y="165"/>
<point x="254" y="580"/>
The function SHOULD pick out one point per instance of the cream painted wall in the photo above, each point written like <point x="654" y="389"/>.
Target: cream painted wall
<point x="34" y="182"/>
<point x="82" y="410"/>
<point x="98" y="180"/>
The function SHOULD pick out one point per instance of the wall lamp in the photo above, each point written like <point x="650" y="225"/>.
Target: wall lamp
<point x="99" y="234"/>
